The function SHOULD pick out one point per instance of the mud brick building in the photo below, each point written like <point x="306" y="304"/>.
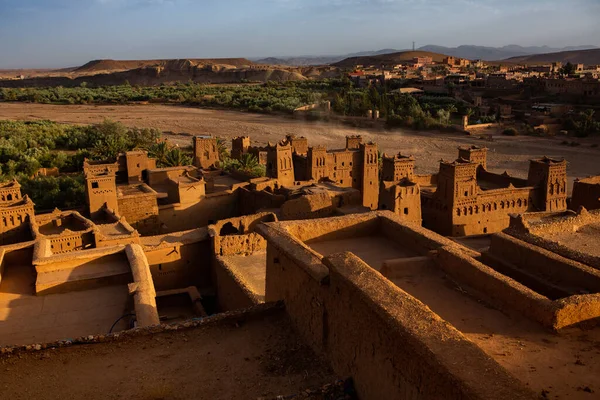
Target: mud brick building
<point x="465" y="199"/>
<point x="586" y="193"/>
<point x="206" y="151"/>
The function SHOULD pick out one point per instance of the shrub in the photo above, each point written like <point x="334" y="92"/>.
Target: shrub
<point x="510" y="132"/>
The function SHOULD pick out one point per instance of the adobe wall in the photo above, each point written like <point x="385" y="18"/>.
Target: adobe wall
<point x="351" y="313"/>
<point x="552" y="267"/>
<point x="213" y="207"/>
<point x="66" y="243"/>
<point x="245" y="241"/>
<point x="500" y="290"/>
<point x="141" y="212"/>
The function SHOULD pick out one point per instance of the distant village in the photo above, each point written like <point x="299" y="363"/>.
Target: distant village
<point x="537" y="94"/>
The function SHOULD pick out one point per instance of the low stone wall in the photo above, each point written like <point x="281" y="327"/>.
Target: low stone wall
<point x="391" y="344"/>
<point x="550" y="266"/>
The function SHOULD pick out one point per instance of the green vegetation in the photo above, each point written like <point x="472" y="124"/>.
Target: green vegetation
<point x="419" y="114"/>
<point x="49" y="192"/>
<point x="282" y="97"/>
<point x="248" y="165"/>
<point x="25" y="147"/>
<point x="269" y="97"/>
<point x="583" y="124"/>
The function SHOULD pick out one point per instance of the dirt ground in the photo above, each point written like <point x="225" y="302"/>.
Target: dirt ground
<point x="509" y="154"/>
<point x="258" y="358"/>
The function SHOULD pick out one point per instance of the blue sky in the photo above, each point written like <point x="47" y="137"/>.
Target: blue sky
<point x="61" y="33"/>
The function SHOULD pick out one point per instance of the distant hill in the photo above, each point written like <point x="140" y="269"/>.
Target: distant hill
<point x="124" y="65"/>
<point x="319" y="60"/>
<point x="587" y="57"/>
<point x="497" y="53"/>
<point x="156" y="72"/>
<point x="392" y="58"/>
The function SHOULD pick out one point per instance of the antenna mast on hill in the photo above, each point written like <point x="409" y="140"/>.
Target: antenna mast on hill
<point x="413" y="46"/>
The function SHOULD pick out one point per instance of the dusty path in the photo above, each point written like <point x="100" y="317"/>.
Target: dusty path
<point x="506" y="153"/>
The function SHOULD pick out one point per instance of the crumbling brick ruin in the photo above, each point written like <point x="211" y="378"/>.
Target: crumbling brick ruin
<point x="376" y="295"/>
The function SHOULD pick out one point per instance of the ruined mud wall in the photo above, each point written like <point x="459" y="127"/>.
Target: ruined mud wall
<point x="392" y="345"/>
<point x="241" y="244"/>
<point x="548" y="265"/>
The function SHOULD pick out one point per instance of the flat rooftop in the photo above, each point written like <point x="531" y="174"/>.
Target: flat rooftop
<point x="241" y="356"/>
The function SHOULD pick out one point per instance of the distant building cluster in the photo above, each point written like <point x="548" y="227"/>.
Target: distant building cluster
<point x="371" y="260"/>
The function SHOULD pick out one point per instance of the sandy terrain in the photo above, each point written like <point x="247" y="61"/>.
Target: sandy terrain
<point x="506" y="153"/>
<point x="260" y="357"/>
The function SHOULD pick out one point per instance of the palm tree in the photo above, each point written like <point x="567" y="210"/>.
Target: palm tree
<point x="175" y="158"/>
<point x="248" y="162"/>
<point x="159" y="151"/>
<point x="222" y="148"/>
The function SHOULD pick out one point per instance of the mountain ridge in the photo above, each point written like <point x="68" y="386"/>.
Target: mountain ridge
<point x="470" y="52"/>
